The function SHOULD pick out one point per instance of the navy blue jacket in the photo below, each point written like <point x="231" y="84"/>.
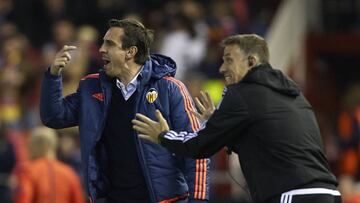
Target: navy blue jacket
<point x="167" y="176"/>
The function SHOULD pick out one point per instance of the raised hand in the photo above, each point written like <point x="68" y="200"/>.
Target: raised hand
<point x="149" y="129"/>
<point x="61" y="60"/>
<point x="205" y="105"/>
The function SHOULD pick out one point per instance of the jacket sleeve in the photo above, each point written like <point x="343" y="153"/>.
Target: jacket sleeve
<point x="55" y="110"/>
<point x="221" y="130"/>
<point x="196" y="171"/>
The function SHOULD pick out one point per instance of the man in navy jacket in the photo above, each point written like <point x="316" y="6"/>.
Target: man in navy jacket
<point x="117" y="165"/>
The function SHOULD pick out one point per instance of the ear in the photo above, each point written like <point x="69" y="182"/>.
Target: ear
<point x="131" y="52"/>
<point x="252" y="61"/>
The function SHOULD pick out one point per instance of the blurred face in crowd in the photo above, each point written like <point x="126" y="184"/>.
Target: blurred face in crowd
<point x="113" y="55"/>
<point x="235" y="64"/>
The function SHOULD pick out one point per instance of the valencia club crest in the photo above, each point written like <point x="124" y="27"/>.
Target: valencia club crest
<point x="151" y="95"/>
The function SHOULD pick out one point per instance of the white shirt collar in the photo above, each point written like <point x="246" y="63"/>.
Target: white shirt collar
<point x="130" y="88"/>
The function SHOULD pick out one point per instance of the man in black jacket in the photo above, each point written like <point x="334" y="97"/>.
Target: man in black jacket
<point x="266" y="120"/>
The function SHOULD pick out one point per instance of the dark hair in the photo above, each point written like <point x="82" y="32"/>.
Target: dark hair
<point x="250" y="44"/>
<point x="135" y="34"/>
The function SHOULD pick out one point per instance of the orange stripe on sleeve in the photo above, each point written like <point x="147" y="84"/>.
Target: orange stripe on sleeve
<point x="94" y="75"/>
<point x="204" y="179"/>
<point x="175" y="199"/>
<point x="201" y="187"/>
<point x="196" y="180"/>
<point x="187" y="103"/>
<point x="201" y="164"/>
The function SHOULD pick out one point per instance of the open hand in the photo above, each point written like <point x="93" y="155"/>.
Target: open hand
<point x="205" y="105"/>
<point x="149" y="129"/>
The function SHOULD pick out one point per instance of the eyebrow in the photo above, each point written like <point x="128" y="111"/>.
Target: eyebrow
<point x="226" y="54"/>
<point x="109" y="41"/>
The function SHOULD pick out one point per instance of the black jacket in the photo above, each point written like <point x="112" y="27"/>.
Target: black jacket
<point x="267" y="121"/>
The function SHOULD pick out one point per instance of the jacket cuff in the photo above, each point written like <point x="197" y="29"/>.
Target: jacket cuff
<point x="161" y="137"/>
<point x="51" y="76"/>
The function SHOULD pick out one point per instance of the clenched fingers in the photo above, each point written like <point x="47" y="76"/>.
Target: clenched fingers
<point x="66" y="56"/>
<point x="63" y="56"/>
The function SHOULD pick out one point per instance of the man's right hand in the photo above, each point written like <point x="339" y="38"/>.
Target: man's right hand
<point x="149" y="129"/>
<point x="61" y="60"/>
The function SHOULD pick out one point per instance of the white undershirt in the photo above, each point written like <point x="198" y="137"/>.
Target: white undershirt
<point x="130" y="88"/>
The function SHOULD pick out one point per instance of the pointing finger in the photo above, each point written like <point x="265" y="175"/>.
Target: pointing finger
<point x="64" y="59"/>
<point x="68" y="48"/>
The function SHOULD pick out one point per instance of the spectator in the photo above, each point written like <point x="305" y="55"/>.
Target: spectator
<point x="45" y="179"/>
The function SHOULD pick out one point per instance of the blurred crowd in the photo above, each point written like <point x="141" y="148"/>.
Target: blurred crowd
<point x="189" y="31"/>
<point x="32" y="31"/>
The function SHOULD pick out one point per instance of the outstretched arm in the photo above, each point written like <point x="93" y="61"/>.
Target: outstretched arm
<point x="224" y="125"/>
<point x="158" y="131"/>
<point x="151" y="130"/>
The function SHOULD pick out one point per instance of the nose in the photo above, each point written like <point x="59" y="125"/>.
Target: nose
<point x="102" y="49"/>
<point x="222" y="69"/>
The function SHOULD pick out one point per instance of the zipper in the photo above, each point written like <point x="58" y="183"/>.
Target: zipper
<point x="141" y="151"/>
<point x="99" y="132"/>
<point x="106" y="105"/>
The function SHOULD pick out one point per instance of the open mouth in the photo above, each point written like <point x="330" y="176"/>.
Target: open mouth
<point x="106" y="62"/>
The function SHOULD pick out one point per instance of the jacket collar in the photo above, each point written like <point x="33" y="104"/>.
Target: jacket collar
<point x="156" y="67"/>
